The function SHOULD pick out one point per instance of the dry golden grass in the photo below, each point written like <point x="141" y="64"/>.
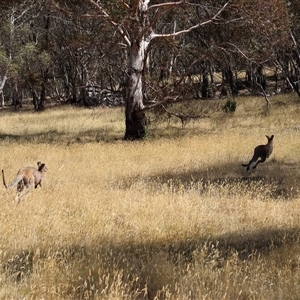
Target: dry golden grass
<point x="174" y="217"/>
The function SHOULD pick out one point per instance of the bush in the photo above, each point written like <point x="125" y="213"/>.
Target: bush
<point x="229" y="106"/>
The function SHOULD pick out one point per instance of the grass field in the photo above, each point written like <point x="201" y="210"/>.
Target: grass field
<point x="175" y="216"/>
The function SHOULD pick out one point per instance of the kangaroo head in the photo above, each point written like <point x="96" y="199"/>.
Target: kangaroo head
<point x="270" y="138"/>
<point x="42" y="167"/>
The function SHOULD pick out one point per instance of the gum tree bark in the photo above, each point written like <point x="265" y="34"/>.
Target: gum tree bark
<point x="135" y="118"/>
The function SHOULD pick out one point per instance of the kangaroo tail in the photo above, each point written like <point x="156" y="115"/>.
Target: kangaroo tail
<point x="15" y="182"/>
<point x="3" y="178"/>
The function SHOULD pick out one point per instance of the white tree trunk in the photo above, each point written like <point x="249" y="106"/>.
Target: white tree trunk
<point x="135" y="117"/>
<point x="2" y="83"/>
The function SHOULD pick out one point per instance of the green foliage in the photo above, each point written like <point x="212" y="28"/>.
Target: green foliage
<point x="30" y="54"/>
<point x="4" y="61"/>
<point x="32" y="62"/>
<point x="229" y="106"/>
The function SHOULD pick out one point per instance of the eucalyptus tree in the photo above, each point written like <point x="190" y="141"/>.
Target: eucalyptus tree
<point x="22" y="44"/>
<point x="85" y="55"/>
<point x="288" y="53"/>
<point x="261" y="29"/>
<point x="136" y="23"/>
<point x="12" y="20"/>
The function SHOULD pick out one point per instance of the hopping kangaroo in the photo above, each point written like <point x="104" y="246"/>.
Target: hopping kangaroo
<point x="27" y="179"/>
<point x="262" y="152"/>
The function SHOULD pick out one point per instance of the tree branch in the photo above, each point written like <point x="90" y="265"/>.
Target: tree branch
<point x="167" y="4"/>
<point x="154" y="35"/>
<point x="162" y="8"/>
<point x="164" y="100"/>
<point x="265" y="95"/>
<point x="182" y="77"/>
<point x="242" y="53"/>
<point x="110" y="20"/>
<point x="185" y="118"/>
<point x="135" y="6"/>
<point x="125" y="4"/>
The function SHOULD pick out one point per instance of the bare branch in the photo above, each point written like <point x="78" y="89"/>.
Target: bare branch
<point x="287" y="77"/>
<point x="167" y="5"/>
<point x="103" y="15"/>
<point x="155" y="104"/>
<point x="185" y="118"/>
<point x="162" y="8"/>
<point x="102" y="10"/>
<point x="182" y="77"/>
<point x="265" y="95"/>
<point x="125" y="4"/>
<point x="213" y="19"/>
<point x="64" y="10"/>
<point x="239" y="50"/>
<point x="134" y="6"/>
<point x="110" y="20"/>
<point x="243" y="53"/>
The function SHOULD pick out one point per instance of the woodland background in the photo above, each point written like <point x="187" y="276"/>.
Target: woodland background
<point x="56" y="52"/>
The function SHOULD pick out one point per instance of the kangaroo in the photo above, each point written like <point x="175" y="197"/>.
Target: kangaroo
<point x="262" y="152"/>
<point x="26" y="179"/>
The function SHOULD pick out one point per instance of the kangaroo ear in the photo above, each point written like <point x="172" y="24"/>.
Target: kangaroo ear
<point x="267" y="137"/>
<point x="39" y="163"/>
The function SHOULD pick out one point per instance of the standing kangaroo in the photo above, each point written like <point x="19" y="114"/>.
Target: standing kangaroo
<point x="262" y="152"/>
<point x="26" y="179"/>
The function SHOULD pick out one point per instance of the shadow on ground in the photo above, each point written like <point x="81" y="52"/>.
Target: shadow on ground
<point x="152" y="263"/>
<point x="148" y="260"/>
<point x="279" y="180"/>
<point x="60" y="137"/>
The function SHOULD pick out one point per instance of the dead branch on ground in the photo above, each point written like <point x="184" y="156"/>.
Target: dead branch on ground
<point x="185" y="118"/>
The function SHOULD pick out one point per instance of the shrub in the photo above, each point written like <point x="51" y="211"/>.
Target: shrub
<point x="229" y="106"/>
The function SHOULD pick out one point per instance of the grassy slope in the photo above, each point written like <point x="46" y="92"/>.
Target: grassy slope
<point x="173" y="218"/>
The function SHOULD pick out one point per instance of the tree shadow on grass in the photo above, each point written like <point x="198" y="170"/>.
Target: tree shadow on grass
<point x="278" y="179"/>
<point x="152" y="263"/>
<point x="65" y="138"/>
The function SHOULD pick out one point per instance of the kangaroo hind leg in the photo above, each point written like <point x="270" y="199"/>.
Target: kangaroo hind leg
<point x="253" y="160"/>
<point x="26" y="187"/>
<point x="259" y="162"/>
<point x="21" y="194"/>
